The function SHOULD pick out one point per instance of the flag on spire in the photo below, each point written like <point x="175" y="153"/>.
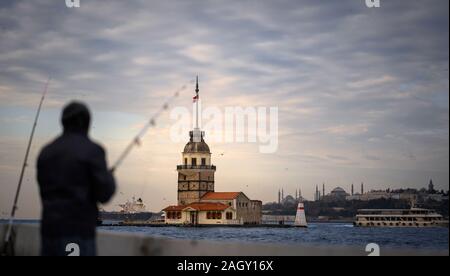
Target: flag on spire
<point x="197" y="96"/>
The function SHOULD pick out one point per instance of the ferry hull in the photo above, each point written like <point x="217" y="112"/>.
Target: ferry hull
<point x="399" y="225"/>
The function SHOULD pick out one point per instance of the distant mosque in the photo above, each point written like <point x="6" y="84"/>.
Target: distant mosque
<point x="337" y="194"/>
<point x="198" y="202"/>
<point x="289" y="199"/>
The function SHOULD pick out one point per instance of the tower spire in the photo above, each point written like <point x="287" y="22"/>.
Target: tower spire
<point x="197" y="90"/>
<point x="196" y="134"/>
<point x="196" y="87"/>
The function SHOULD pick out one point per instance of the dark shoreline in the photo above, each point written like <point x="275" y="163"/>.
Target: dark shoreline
<point x="198" y="226"/>
<point x="265" y="225"/>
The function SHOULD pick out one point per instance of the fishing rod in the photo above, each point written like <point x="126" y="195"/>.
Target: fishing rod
<point x="22" y="172"/>
<point x="151" y="123"/>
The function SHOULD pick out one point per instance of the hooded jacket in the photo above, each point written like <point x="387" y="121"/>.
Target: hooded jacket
<point x="73" y="177"/>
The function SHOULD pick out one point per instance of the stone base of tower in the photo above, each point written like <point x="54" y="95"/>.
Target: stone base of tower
<point x="194" y="182"/>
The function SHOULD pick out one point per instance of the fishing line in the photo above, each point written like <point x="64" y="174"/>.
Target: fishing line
<point x="151" y="123"/>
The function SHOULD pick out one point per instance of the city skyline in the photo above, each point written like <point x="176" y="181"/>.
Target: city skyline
<point x="349" y="189"/>
<point x="362" y="93"/>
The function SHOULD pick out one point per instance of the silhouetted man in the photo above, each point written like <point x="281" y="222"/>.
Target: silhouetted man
<point x="73" y="177"/>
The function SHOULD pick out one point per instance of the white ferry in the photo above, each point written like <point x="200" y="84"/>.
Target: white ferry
<point x="414" y="217"/>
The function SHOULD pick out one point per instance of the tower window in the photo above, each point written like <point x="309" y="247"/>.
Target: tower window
<point x="203" y="161"/>
<point x="194" y="161"/>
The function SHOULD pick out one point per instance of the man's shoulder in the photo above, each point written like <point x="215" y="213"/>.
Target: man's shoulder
<point x="50" y="146"/>
<point x="72" y="143"/>
<point x="96" y="147"/>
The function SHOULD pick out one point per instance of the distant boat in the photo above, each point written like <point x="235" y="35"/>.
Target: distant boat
<point x="133" y="207"/>
<point x="133" y="211"/>
<point x="414" y="217"/>
<point x="300" y="218"/>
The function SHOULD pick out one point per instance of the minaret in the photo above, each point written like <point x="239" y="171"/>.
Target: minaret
<point x="196" y="174"/>
<point x="279" y="196"/>
<point x="296" y="194"/>
<point x="282" y="194"/>
<point x="323" y="190"/>
<point x="362" y="188"/>
<point x="431" y="187"/>
<point x="353" y="189"/>
<point x="317" y="193"/>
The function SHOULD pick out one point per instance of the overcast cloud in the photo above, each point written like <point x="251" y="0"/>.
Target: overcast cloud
<point x="363" y="93"/>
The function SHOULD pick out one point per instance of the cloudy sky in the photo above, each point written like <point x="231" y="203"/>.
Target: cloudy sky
<point x="362" y="93"/>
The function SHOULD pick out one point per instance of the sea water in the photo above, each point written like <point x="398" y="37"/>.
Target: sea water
<point x="318" y="233"/>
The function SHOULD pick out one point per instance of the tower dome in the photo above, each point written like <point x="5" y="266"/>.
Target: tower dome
<point x="196" y="147"/>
